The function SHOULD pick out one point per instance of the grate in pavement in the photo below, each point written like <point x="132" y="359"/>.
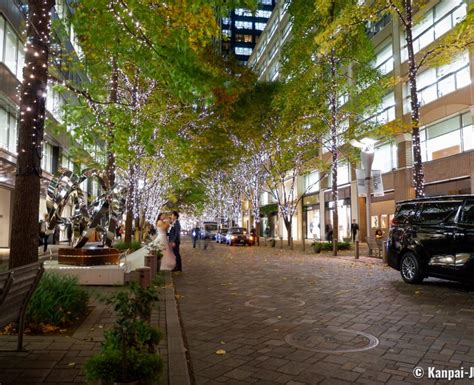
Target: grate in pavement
<point x="273" y="303"/>
<point x="332" y="340"/>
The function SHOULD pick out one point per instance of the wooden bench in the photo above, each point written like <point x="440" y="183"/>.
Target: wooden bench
<point x="16" y="288"/>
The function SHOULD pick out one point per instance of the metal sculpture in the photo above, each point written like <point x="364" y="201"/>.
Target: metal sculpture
<point x="101" y="215"/>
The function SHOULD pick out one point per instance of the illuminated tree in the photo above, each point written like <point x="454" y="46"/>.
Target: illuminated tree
<point x="24" y="233"/>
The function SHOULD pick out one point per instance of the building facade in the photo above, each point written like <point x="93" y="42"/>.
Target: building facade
<point x="55" y="149"/>
<point x="241" y="29"/>
<point x="447" y="131"/>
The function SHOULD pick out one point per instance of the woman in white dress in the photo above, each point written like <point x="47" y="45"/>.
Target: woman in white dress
<point x="168" y="262"/>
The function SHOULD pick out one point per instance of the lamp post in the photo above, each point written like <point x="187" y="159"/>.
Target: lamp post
<point x="367" y="158"/>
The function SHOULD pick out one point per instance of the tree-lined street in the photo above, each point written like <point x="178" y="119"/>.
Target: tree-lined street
<point x="285" y="317"/>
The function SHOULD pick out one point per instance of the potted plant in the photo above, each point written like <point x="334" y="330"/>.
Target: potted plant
<point x="316" y="246"/>
<point x="128" y="354"/>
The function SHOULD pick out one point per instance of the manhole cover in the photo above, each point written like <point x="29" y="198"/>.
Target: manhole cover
<point x="332" y="340"/>
<point x="274" y="303"/>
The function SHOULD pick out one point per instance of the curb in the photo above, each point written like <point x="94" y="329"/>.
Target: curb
<point x="178" y="372"/>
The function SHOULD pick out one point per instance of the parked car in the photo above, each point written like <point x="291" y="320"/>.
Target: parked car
<point x="221" y="234"/>
<point x="237" y="235"/>
<point x="433" y="237"/>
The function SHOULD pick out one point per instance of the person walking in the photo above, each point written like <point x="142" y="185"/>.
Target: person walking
<point x="175" y="239"/>
<point x="45" y="232"/>
<point x="196" y="234"/>
<point x="354" y="230"/>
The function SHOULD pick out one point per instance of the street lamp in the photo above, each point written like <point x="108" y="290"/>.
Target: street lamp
<point x="366" y="146"/>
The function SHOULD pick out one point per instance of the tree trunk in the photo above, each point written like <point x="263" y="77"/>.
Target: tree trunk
<point x="288" y="230"/>
<point x="24" y="233"/>
<point x="334" y="153"/>
<point x="418" y="171"/>
<point x="110" y="130"/>
<point x="129" y="211"/>
<point x="257" y="231"/>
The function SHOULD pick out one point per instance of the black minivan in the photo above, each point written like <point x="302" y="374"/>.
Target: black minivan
<point x="433" y="237"/>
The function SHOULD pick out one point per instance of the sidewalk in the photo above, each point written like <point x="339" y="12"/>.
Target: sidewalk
<point x="58" y="359"/>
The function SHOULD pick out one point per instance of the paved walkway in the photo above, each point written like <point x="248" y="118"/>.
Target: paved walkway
<point x="60" y="359"/>
<point x="267" y="316"/>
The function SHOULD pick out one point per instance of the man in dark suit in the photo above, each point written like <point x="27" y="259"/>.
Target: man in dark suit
<point x="175" y="239"/>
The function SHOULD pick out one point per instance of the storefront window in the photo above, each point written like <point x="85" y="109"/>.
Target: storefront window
<point x="313" y="230"/>
<point x="344" y="212"/>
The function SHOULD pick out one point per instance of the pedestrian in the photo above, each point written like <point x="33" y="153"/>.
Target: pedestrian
<point x="354" y="230"/>
<point x="175" y="239"/>
<point x="379" y="233"/>
<point x="329" y="232"/>
<point x="195" y="235"/>
<point x="45" y="232"/>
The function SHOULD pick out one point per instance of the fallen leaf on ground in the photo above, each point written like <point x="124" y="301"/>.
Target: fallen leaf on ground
<point x="220" y="352"/>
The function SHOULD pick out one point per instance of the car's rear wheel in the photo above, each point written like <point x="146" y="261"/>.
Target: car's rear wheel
<point x="410" y="269"/>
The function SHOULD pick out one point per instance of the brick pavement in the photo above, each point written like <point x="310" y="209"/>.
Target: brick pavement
<point x="59" y="359"/>
<point x="251" y="302"/>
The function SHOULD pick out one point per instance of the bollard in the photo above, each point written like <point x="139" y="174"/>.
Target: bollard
<point x="385" y="252"/>
<point x="151" y="261"/>
<point x="357" y="249"/>
<point x="144" y="277"/>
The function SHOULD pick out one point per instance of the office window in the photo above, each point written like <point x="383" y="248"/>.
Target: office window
<point x="266" y="2"/>
<point x="343" y="174"/>
<point x="262" y="13"/>
<point x="226" y="33"/>
<point x="287" y="30"/>
<point x="385" y="157"/>
<point x="12" y="134"/>
<point x="434" y="83"/>
<point x="260" y="26"/>
<point x="436" y="22"/>
<point x="226" y="20"/>
<point x="47" y="160"/>
<point x="21" y="63"/>
<point x="311" y="182"/>
<point x="11" y="49"/>
<point x="3" y="128"/>
<point x="384" y="59"/>
<point x="467" y="131"/>
<point x="242" y="12"/>
<point x="448" y="137"/>
<point x="243" y="51"/>
<point x="243" y="38"/>
<point x="2" y="37"/>
<point x="386" y="111"/>
<point x="243" y="24"/>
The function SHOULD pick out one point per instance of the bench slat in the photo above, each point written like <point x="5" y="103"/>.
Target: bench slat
<point x="15" y="294"/>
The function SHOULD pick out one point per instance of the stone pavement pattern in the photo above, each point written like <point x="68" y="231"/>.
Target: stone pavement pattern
<point x="278" y="315"/>
<point x="60" y="359"/>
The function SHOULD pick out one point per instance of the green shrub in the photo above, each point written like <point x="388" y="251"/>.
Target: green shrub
<point x="108" y="365"/>
<point x="129" y="350"/>
<point x="327" y="246"/>
<point x="58" y="300"/>
<point x="122" y="246"/>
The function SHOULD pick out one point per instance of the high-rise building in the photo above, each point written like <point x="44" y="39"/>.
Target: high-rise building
<point x="241" y="29"/>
